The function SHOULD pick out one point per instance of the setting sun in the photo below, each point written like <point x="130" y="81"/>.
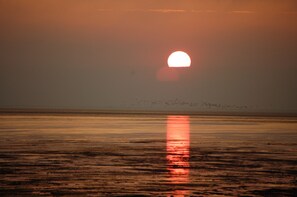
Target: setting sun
<point x="179" y="59"/>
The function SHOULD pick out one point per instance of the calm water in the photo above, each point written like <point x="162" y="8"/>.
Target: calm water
<point x="147" y="155"/>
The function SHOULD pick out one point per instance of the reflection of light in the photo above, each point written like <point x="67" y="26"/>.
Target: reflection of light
<point x="178" y="145"/>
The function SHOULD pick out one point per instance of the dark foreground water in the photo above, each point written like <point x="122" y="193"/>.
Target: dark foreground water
<point x="147" y="155"/>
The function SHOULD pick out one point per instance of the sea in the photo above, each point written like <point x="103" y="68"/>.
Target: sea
<point x="147" y="155"/>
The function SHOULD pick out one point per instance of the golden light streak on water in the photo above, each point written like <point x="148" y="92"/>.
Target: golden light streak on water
<point x="178" y="151"/>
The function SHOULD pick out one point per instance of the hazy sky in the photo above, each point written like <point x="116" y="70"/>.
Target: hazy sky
<point x="111" y="54"/>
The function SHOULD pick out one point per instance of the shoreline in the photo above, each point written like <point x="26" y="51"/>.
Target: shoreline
<point x="143" y="112"/>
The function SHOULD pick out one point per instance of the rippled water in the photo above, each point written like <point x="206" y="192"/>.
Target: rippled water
<point x="147" y="155"/>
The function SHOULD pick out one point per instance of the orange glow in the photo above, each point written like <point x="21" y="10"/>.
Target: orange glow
<point x="179" y="59"/>
<point x="167" y="74"/>
<point x="178" y="145"/>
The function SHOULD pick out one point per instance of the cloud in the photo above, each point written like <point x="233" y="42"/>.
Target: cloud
<point x="172" y="11"/>
<point x="167" y="10"/>
<point x="144" y="10"/>
<point x="164" y="11"/>
<point x="242" y="12"/>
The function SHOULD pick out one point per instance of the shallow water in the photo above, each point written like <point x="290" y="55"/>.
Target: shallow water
<point x="147" y="155"/>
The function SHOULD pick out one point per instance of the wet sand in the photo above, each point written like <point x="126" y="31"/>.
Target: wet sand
<point x="147" y="155"/>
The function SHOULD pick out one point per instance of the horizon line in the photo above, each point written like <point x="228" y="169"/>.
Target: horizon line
<point x="143" y="112"/>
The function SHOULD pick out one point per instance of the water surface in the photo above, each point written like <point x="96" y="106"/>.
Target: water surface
<point x="147" y="155"/>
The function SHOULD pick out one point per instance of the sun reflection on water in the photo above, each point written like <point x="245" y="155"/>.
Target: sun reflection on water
<point x="178" y="151"/>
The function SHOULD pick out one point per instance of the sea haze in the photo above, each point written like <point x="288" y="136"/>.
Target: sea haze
<point x="147" y="155"/>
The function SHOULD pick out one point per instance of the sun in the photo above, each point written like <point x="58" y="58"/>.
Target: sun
<point x="179" y="59"/>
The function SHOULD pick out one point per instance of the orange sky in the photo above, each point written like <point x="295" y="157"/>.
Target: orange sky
<point x="106" y="47"/>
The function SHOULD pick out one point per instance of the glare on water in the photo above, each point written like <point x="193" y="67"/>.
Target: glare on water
<point x="178" y="147"/>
